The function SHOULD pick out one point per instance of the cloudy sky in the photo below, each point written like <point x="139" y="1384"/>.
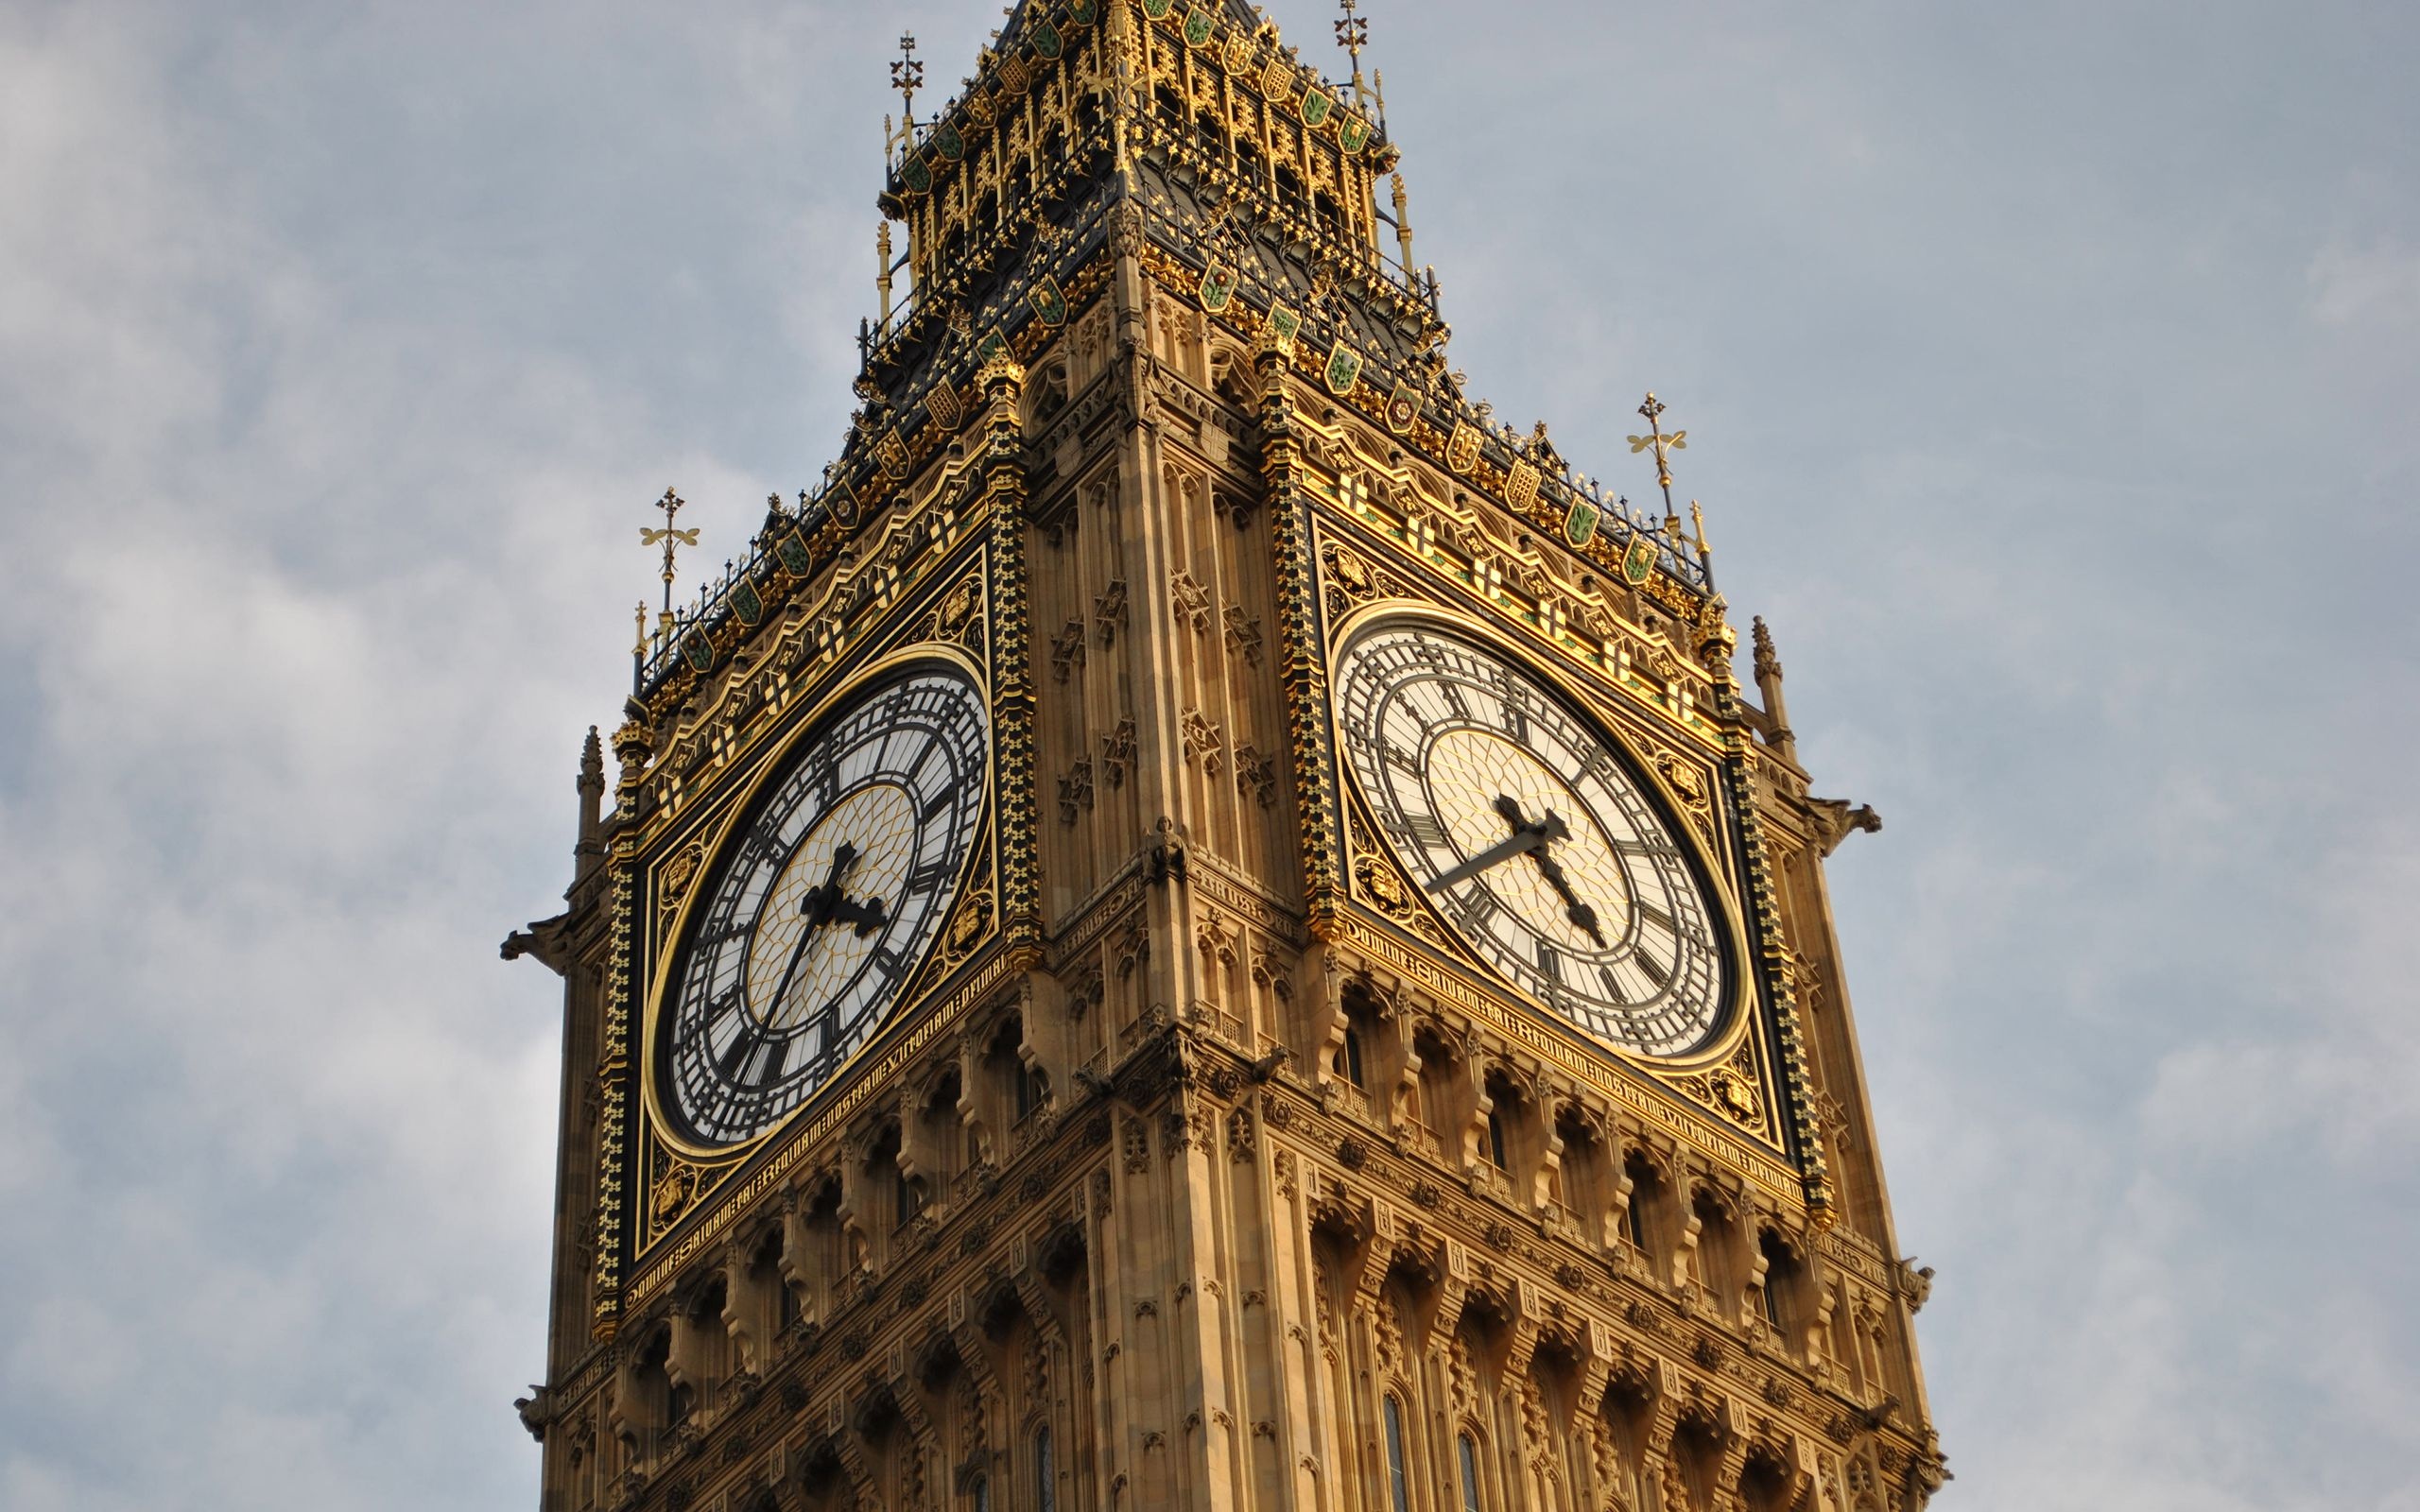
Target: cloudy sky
<point x="2050" y="373"/>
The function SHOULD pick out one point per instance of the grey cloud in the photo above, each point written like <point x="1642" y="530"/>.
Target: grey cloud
<point x="2049" y="372"/>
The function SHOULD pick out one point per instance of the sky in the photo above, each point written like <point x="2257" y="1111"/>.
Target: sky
<point x="2050" y="373"/>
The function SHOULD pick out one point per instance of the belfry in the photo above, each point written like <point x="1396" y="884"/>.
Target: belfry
<point x="1201" y="924"/>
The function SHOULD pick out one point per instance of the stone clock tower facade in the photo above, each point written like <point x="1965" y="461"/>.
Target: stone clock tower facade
<point x="1202" y="926"/>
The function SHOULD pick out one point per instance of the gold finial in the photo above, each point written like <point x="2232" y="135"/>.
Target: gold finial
<point x="1664" y="445"/>
<point x="1403" y="223"/>
<point x="672" y="540"/>
<point x="882" y="262"/>
<point x="1697" y="519"/>
<point x="1353" y="34"/>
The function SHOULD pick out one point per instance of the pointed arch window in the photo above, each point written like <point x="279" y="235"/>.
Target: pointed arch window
<point x="1046" y="1479"/>
<point x="1398" y="1484"/>
<point x="1468" y="1452"/>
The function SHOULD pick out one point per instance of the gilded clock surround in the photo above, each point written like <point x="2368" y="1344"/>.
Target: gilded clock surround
<point x="1201" y="1136"/>
<point x="968" y="920"/>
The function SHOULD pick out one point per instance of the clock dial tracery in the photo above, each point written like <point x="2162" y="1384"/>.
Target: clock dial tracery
<point x="822" y="905"/>
<point x="1530" y="832"/>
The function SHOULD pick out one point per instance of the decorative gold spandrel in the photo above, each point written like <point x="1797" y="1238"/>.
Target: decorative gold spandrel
<point x="1442" y="551"/>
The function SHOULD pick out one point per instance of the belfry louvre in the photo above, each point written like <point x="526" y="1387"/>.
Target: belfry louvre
<point x="1201" y="925"/>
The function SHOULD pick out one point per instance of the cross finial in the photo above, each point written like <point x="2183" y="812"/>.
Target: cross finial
<point x="671" y="539"/>
<point x="907" y="77"/>
<point x="1353" y="34"/>
<point x="1678" y="441"/>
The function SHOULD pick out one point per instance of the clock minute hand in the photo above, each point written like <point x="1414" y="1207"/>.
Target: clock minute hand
<point x="1493" y="855"/>
<point x="1525" y="837"/>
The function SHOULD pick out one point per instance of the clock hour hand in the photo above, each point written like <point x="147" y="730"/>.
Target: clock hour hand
<point x="825" y="897"/>
<point x="1550" y="827"/>
<point x="867" y="916"/>
<point x="1577" y="912"/>
<point x="818" y="907"/>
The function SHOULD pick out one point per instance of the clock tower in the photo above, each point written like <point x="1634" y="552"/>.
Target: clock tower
<point x="1201" y="926"/>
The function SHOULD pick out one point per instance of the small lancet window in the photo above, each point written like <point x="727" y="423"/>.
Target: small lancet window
<point x="1045" y="1478"/>
<point x="1398" y="1484"/>
<point x="1469" y="1452"/>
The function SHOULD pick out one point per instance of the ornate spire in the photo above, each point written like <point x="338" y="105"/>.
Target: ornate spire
<point x="1768" y="666"/>
<point x="1678" y="441"/>
<point x="672" y="540"/>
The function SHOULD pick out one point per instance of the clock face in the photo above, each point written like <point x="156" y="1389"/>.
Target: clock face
<point x="1530" y="831"/>
<point x="823" y="904"/>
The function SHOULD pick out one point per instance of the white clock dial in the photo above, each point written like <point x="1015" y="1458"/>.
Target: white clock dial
<point x="823" y="904"/>
<point x="1530" y="830"/>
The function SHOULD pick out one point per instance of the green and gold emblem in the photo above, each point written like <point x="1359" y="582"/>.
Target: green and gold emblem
<point x="747" y="603"/>
<point x="1638" y="562"/>
<point x="916" y="175"/>
<point x="1343" y="368"/>
<point x="793" y="552"/>
<point x="1048" y="302"/>
<point x="1284" y="325"/>
<point x="1198" y="27"/>
<point x="1218" y="289"/>
<point x="698" y="650"/>
<point x="1082" y="12"/>
<point x="1046" y="40"/>
<point x="1158" y="9"/>
<point x="948" y="143"/>
<point x="1580" y="523"/>
<point x="1403" y="407"/>
<point x="1315" y="105"/>
<point x="1352" y="133"/>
